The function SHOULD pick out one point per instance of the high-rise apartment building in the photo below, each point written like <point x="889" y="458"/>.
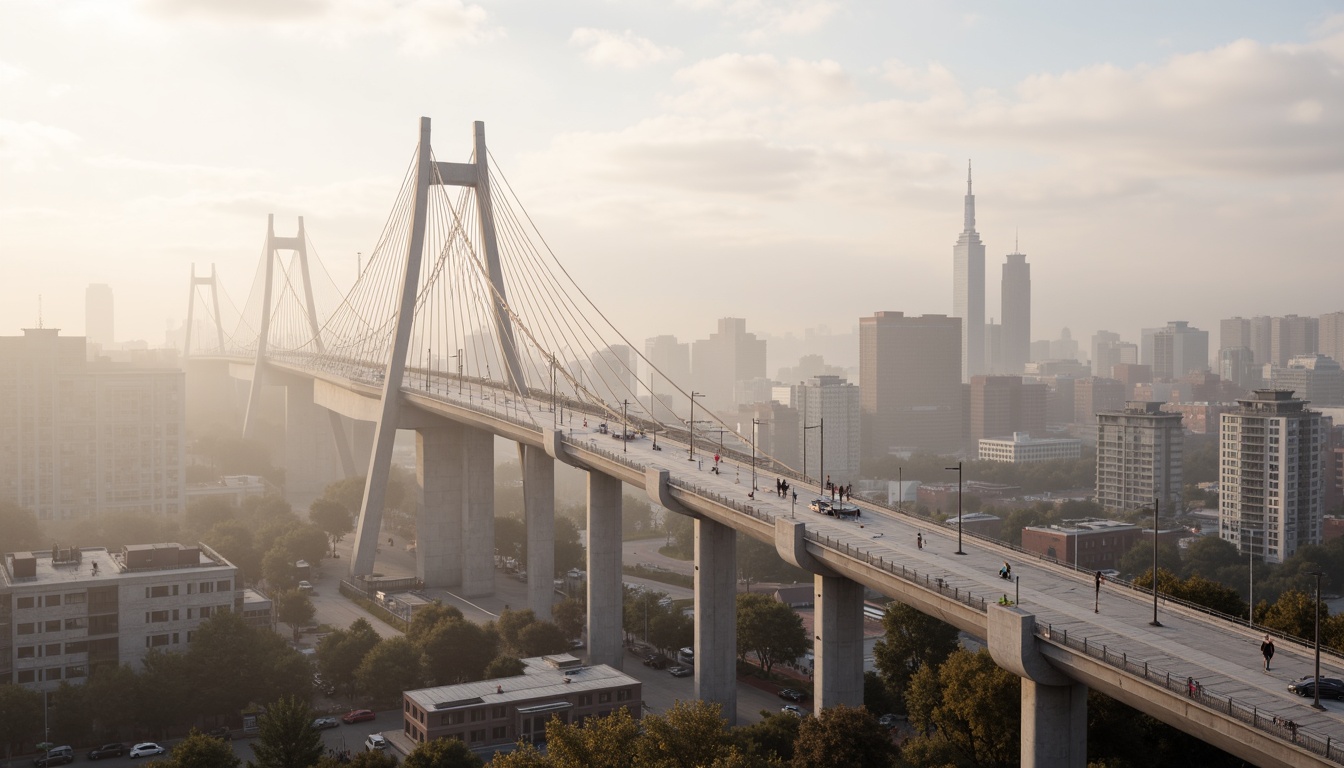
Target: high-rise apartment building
<point x="1260" y="328"/>
<point x="1271" y="480"/>
<point x="727" y="357"/>
<point x="968" y="289"/>
<point x="1236" y="364"/>
<point x="910" y="382"/>
<point x="98" y="320"/>
<point x="88" y="438"/>
<point x="672" y="361"/>
<point x="1317" y="379"/>
<point x="1331" y="329"/>
<point x="1003" y="405"/>
<point x="1139" y="457"/>
<point x="1290" y="336"/>
<point x="837" y="401"/>
<point x="1234" y="332"/>
<point x="1096" y="394"/>
<point x="777" y="432"/>
<point x="1175" y="350"/>
<point x="1015" y="335"/>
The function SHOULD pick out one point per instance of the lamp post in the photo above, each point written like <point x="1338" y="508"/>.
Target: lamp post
<point x="900" y="483"/>
<point x="1156" y="506"/>
<point x="459" y="370"/>
<point x="754" y="424"/>
<point x="690" y="425"/>
<point x="555" y="414"/>
<point x="625" y="426"/>
<point x="805" y="475"/>
<point x="958" y="469"/>
<point x="1316" y="683"/>
<point x="427" y="358"/>
<point x="1250" y="567"/>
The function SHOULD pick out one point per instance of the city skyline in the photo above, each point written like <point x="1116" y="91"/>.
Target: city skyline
<point x="751" y="144"/>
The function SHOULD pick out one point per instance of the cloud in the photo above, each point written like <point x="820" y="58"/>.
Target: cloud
<point x="625" y="50"/>
<point x="422" y="27"/>
<point x="120" y="163"/>
<point x="741" y="79"/>
<point x="11" y="73"/>
<point x="24" y="145"/>
<point x="764" y="19"/>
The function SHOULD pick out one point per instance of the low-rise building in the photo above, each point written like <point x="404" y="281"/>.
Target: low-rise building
<point x="507" y="710"/>
<point x="67" y="612"/>
<point x="943" y="496"/>
<point x="981" y="523"/>
<point x="1092" y="545"/>
<point x="1022" y="448"/>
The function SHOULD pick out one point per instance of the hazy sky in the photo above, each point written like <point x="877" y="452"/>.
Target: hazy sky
<point x="798" y="163"/>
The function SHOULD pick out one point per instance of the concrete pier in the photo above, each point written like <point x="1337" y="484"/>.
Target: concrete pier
<point x="438" y="470"/>
<point x="838" y="642"/>
<point x="539" y="506"/>
<point x="1054" y="707"/>
<point x="478" y="518"/>
<point x="606" y="599"/>
<point x="716" y="616"/>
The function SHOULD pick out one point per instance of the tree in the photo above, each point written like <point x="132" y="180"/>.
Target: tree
<point x="758" y="561"/>
<point x="457" y="651"/>
<point x="294" y="608"/>
<point x="511" y="623"/>
<point x="112" y="693"/>
<point x="162" y="700"/>
<point x="912" y="640"/>
<point x="570" y="615"/>
<point x="287" y="738"/>
<point x="204" y="514"/>
<point x="511" y="536"/>
<point x="770" y="629"/>
<point x="1195" y="589"/>
<point x="277" y="567"/>
<point x="842" y="736"/>
<point x="201" y="751"/>
<point x="1294" y="613"/>
<point x="349" y="493"/>
<point x="233" y="539"/>
<point x="376" y="758"/>
<point x="340" y="653"/>
<point x="424" y="620"/>
<point x="965" y="712"/>
<point x="541" y="638"/>
<point x="1139" y="558"/>
<point x="231" y="665"/>
<point x="770" y="739"/>
<point x="600" y="742"/>
<point x="690" y="733"/>
<point x="333" y="518"/>
<point x="20" y="717"/>
<point x="389" y="668"/>
<point x="71" y="714"/>
<point x="569" y="553"/>
<point x="305" y="542"/>
<point x="442" y="753"/>
<point x="877" y="697"/>
<point x="19" y="531"/>
<point x="503" y="666"/>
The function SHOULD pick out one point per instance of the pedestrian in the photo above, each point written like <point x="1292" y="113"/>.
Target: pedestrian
<point x="1267" y="650"/>
<point x="1096" y="603"/>
<point x="919" y="539"/>
<point x="1190" y="687"/>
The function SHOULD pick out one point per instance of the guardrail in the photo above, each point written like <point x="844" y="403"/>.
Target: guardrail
<point x="963" y="596"/>
<point x="1279" y="727"/>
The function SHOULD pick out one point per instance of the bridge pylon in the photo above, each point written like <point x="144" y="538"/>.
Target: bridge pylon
<point x="213" y="282"/>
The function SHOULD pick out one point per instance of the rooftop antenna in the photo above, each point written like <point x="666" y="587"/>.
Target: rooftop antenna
<point x="1016" y="249"/>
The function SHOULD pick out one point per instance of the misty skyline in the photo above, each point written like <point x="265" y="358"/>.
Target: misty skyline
<point x="1160" y="164"/>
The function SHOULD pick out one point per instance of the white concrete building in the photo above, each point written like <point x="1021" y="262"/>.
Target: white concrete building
<point x="837" y="402"/>
<point x="68" y="612"/>
<point x="1022" y="448"/>
<point x="1270" y="480"/>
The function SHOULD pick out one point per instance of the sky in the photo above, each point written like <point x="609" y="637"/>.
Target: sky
<point x="799" y="163"/>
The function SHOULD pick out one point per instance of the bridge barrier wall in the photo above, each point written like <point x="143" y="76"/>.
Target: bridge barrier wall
<point x="1281" y="728"/>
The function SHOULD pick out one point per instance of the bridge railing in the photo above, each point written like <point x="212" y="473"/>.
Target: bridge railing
<point x="928" y="581"/>
<point x="1279" y="727"/>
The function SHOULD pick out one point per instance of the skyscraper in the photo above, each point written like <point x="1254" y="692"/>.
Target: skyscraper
<point x="837" y="401"/>
<point x="1290" y="336"/>
<point x="1139" y="454"/>
<point x="909" y="382"/>
<point x="1331" y="328"/>
<point x="968" y="289"/>
<point x="1175" y="350"/>
<point x="1015" y="335"/>
<point x="729" y="356"/>
<point x="672" y="361"/>
<point x="98" y="315"/>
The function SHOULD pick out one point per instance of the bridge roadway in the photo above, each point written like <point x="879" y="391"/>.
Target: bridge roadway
<point x="1241" y="708"/>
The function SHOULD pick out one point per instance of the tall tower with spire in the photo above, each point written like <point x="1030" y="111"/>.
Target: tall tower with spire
<point x="968" y="289"/>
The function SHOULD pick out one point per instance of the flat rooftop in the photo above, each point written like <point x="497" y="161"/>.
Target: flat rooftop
<point x="85" y="564"/>
<point x="540" y="680"/>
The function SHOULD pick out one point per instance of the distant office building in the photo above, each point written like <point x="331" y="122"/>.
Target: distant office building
<point x="1094" y="395"/>
<point x="507" y="710"/>
<point x="993" y="347"/>
<point x="1314" y="378"/>
<point x="88" y="438"/>
<point x="1002" y="405"/>
<point x="1056" y="367"/>
<point x="231" y="488"/>
<point x="980" y="523"/>
<point x="1200" y="418"/>
<point x="1234" y="332"/>
<point x="1022" y="448"/>
<point x="1175" y="350"/>
<point x="672" y="361"/>
<point x="1109" y="351"/>
<point x="1139" y="457"/>
<point x="1270" y="483"/>
<point x="809" y="366"/>
<point x="1065" y="347"/>
<point x="1260" y="329"/>
<point x="75" y="610"/>
<point x="838" y="402"/>
<point x="612" y="372"/>
<point x="968" y="289"/>
<point x="1237" y="365"/>
<point x="1130" y="374"/>
<point x="943" y="496"/>
<point x="1015" y="335"/>
<point x="1058" y="397"/>
<point x="1331" y="329"/>
<point x="910" y="382"/>
<point x="777" y="433"/>
<point x="1100" y="339"/>
<point x="1291" y="336"/>
<point x="1040" y="350"/>
<point x="727" y="357"/>
<point x="98" y="319"/>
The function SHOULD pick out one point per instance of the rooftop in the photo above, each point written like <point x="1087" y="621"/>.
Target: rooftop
<point x="556" y="676"/>
<point x="76" y="564"/>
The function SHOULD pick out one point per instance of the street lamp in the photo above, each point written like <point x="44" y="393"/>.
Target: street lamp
<point x="625" y="426"/>
<point x="690" y="425"/>
<point x="1156" y="505"/>
<point x="459" y="371"/>
<point x="427" y="359"/>
<point x="754" y="424"/>
<point x="555" y="414"/>
<point x="1250" y="567"/>
<point x="814" y="426"/>
<point x="958" y="469"/>
<point x="1316" y="685"/>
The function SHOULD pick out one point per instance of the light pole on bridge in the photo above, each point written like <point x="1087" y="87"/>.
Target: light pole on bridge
<point x="690" y="425"/>
<point x="1316" y="681"/>
<point x="1157" y="503"/>
<point x="822" y="426"/>
<point x="625" y="426"/>
<point x="958" y="469"/>
<point x="459" y="371"/>
<point x="428" y="357"/>
<point x="754" y="424"/>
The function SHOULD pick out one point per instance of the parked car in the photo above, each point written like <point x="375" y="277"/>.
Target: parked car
<point x="56" y="756"/>
<point x="792" y="694"/>
<point x="305" y="586"/>
<point x="843" y="509"/>
<point x="790" y="709"/>
<point x="888" y="720"/>
<point x="1331" y="687"/>
<point x="375" y="743"/>
<point x="357" y="716"/>
<point x="108" y="750"/>
<point x="145" y="749"/>
<point x="323" y="723"/>
<point x="680" y="671"/>
<point x="656" y="660"/>
<point x="221" y="732"/>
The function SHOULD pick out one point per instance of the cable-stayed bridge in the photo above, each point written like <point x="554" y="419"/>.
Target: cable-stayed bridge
<point x="463" y="326"/>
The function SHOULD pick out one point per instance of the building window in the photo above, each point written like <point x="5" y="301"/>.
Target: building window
<point x="224" y="586"/>
<point x="207" y="586"/>
<point x="78" y="646"/>
<point x="26" y="676"/>
<point x="500" y="732"/>
<point x="156" y="641"/>
<point x="76" y="671"/>
<point x="623" y="694"/>
<point x="53" y="626"/>
<point x="163" y="590"/>
<point x="477" y="736"/>
<point x="52" y="601"/>
<point x="156" y="617"/>
<point x="51" y="649"/>
<point x="27" y="652"/>
<point x="24" y="629"/>
<point x="603" y="697"/>
<point x="497" y="713"/>
<point x="477" y="715"/>
<point x="77" y="623"/>
<point x="52" y="673"/>
<point x="24" y="602"/>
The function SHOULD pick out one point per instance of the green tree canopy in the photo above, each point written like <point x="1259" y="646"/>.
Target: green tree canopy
<point x="294" y="608"/>
<point x="965" y="712"/>
<point x="392" y="666"/>
<point x="287" y="738"/>
<point x="442" y="753"/>
<point x="457" y="651"/>
<point x="570" y="615"/>
<point x="770" y="739"/>
<point x="424" y="620"/>
<point x="841" y="737"/>
<point x="770" y="629"/>
<point x="201" y="751"/>
<point x="20" y="717"/>
<point x="541" y="638"/>
<point x="503" y="666"/>
<point x="1139" y="558"/>
<point x="332" y="518"/>
<point x="340" y="653"/>
<point x="912" y="640"/>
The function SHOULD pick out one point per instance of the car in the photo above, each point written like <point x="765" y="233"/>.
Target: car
<point x="680" y="671"/>
<point x="792" y="694"/>
<point x="1331" y="687"/>
<point x="108" y="750"/>
<point x="820" y="505"/>
<point x="888" y="720"/>
<point x="790" y="709"/>
<point x="323" y="723"/>
<point x="56" y="756"/>
<point x="221" y="732"/>
<point x="357" y="716"/>
<point x="375" y="743"/>
<point x="304" y="586"/>
<point x="843" y="509"/>
<point x="656" y="660"/>
<point x="145" y="749"/>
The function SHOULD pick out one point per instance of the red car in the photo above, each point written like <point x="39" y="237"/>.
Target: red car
<point x="357" y="716"/>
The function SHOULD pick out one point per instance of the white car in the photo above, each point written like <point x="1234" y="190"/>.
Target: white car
<point x="375" y="743"/>
<point x="146" y="749"/>
<point x="304" y="586"/>
<point x="790" y="709"/>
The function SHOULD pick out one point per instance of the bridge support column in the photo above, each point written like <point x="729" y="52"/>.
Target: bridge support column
<point x="478" y="539"/>
<point x="1054" y="707"/>
<point x="838" y="642"/>
<point x="311" y="462"/>
<point x="539" y="503"/>
<point x="439" y="466"/>
<point x="606" y="599"/>
<point x="716" y="616"/>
